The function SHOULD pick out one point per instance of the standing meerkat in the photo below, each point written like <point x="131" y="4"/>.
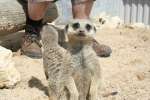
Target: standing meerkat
<point x="87" y="76"/>
<point x="58" y="66"/>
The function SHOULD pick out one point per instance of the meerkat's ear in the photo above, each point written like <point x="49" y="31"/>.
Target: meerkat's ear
<point x="66" y="27"/>
<point x="66" y="38"/>
<point x="66" y="35"/>
<point x="95" y="28"/>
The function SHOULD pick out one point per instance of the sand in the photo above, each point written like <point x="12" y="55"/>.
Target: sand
<point x="125" y="74"/>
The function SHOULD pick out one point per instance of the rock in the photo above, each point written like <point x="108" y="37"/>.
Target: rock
<point x="9" y="76"/>
<point x="140" y="76"/>
<point x="110" y="94"/>
<point x="106" y="21"/>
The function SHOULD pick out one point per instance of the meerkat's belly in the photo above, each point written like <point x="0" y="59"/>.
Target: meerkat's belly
<point x="82" y="77"/>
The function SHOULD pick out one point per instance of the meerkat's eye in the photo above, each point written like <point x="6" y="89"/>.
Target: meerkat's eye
<point x="75" y="26"/>
<point x="88" y="27"/>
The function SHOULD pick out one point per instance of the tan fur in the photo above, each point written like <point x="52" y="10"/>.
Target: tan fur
<point x="79" y="68"/>
<point x="58" y="66"/>
<point x="87" y="75"/>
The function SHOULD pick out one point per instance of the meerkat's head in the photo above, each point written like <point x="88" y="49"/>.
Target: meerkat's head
<point x="49" y="35"/>
<point x="80" y="29"/>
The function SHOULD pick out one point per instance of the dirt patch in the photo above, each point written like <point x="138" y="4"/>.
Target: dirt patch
<point x="126" y="73"/>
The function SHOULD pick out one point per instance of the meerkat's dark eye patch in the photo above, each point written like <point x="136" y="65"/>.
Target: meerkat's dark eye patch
<point x="88" y="27"/>
<point x="75" y="26"/>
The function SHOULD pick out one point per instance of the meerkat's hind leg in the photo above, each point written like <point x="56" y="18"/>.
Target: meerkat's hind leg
<point x="52" y="96"/>
<point x="93" y="92"/>
<point x="53" y="90"/>
<point x="73" y="92"/>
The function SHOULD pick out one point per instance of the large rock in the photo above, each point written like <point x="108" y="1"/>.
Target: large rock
<point x="9" y="76"/>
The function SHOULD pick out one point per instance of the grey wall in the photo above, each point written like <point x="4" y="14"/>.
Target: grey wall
<point x="130" y="11"/>
<point x="137" y="11"/>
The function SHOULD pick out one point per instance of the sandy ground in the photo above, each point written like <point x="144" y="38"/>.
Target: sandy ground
<point x="125" y="74"/>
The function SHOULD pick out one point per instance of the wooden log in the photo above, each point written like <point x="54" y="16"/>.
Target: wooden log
<point x="12" y="41"/>
<point x="13" y="16"/>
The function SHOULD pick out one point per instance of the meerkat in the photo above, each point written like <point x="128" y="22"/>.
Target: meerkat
<point x="87" y="75"/>
<point x="58" y="66"/>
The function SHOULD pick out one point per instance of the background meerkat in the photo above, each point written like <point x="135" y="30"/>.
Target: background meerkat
<point x="87" y="75"/>
<point x="58" y="65"/>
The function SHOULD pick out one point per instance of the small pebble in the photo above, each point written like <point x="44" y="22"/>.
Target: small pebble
<point x="140" y="76"/>
<point x="110" y="94"/>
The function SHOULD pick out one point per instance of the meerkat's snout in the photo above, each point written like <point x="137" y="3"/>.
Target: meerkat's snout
<point x="81" y="33"/>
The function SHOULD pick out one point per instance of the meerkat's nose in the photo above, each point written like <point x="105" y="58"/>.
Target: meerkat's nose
<point x="81" y="33"/>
